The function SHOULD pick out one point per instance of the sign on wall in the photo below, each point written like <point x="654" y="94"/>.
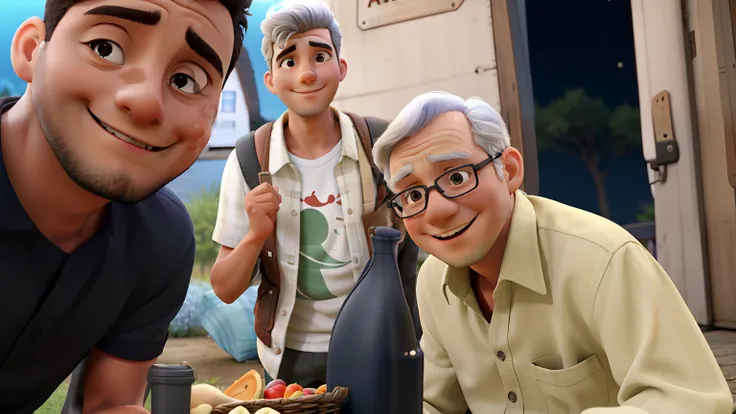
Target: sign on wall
<point x="377" y="13"/>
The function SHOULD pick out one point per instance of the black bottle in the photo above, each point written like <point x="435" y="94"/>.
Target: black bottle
<point x="374" y="350"/>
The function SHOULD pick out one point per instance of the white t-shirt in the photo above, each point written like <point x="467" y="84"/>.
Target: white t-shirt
<point x="325" y="275"/>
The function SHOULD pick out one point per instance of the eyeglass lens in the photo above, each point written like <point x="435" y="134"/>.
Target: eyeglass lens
<point x="453" y="183"/>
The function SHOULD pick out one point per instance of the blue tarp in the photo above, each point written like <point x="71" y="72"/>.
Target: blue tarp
<point x="231" y="326"/>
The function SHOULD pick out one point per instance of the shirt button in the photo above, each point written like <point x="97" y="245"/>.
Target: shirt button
<point x="293" y="213"/>
<point x="277" y="350"/>
<point x="512" y="397"/>
<point x="355" y="260"/>
<point x="501" y="355"/>
<point x="291" y="259"/>
<point x="350" y="211"/>
<point x="283" y="313"/>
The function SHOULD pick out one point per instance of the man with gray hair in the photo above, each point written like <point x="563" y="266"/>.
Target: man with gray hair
<point x="528" y="305"/>
<point x="301" y="235"/>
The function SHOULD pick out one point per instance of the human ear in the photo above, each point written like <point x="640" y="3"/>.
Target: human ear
<point x="268" y="81"/>
<point x="513" y="164"/>
<point x="343" y="65"/>
<point x="25" y="47"/>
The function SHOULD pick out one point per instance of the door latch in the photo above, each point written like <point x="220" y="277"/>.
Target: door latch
<point x="666" y="149"/>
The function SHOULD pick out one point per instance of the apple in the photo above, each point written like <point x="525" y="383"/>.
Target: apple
<point x="309" y="391"/>
<point x="292" y="388"/>
<point x="276" y="391"/>
<point x="321" y="389"/>
<point x="202" y="409"/>
<point x="296" y="394"/>
<point x="274" y="382"/>
<point x="266" y="410"/>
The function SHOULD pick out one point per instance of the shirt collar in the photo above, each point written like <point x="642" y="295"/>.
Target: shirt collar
<point x="13" y="217"/>
<point x="279" y="155"/>
<point x="522" y="261"/>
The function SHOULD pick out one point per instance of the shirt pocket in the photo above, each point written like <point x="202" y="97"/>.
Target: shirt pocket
<point x="572" y="389"/>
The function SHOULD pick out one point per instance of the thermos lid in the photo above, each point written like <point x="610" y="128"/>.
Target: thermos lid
<point x="163" y="373"/>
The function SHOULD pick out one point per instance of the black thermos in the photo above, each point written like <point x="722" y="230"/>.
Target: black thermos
<point x="171" y="388"/>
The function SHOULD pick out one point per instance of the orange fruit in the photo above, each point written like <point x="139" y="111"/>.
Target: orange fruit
<point x="246" y="388"/>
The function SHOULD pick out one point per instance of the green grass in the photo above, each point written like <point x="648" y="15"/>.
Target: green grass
<point x="54" y="404"/>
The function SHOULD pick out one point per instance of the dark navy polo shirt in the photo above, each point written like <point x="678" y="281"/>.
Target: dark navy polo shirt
<point x="117" y="292"/>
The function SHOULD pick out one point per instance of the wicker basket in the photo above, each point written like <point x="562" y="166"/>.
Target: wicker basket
<point x="329" y="402"/>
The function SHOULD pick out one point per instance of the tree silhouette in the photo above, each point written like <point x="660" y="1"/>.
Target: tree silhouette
<point x="579" y="125"/>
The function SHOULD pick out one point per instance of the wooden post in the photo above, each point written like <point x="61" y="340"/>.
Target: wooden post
<point x="662" y="64"/>
<point x="515" y="83"/>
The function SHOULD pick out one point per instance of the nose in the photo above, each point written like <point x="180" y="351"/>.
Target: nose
<point x="141" y="100"/>
<point x="308" y="77"/>
<point x="439" y="209"/>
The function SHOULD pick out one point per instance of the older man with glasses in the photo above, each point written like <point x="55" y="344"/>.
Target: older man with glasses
<point x="528" y="305"/>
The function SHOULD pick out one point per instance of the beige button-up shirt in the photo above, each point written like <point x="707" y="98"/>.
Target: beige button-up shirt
<point x="584" y="318"/>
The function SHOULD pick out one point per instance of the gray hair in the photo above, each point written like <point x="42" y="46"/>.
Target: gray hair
<point x="293" y="19"/>
<point x="489" y="128"/>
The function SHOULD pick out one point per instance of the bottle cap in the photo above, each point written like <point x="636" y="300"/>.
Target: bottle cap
<point x="386" y="233"/>
<point x="170" y="374"/>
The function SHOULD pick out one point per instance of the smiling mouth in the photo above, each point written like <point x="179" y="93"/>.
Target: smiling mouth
<point x="455" y="232"/>
<point x="130" y="140"/>
<point x="308" y="92"/>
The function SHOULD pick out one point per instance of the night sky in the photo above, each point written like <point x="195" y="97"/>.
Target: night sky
<point x="579" y="43"/>
<point x="588" y="44"/>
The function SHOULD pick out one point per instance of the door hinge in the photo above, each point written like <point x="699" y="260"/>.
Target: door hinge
<point x="691" y="41"/>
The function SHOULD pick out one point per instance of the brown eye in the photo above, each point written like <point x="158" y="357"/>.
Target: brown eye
<point x="288" y="62"/>
<point x="108" y="50"/>
<point x="412" y="196"/>
<point x="322" y="57"/>
<point x="459" y="177"/>
<point x="190" y="79"/>
<point x="185" y="83"/>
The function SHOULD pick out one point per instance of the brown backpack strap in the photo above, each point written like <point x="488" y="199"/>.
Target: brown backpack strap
<point x="270" y="287"/>
<point x="262" y="138"/>
<point x="364" y="133"/>
<point x="381" y="215"/>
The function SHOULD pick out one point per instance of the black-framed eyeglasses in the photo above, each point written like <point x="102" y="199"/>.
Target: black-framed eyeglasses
<point x="451" y="184"/>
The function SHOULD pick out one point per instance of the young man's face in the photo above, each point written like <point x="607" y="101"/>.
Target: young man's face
<point x="127" y="91"/>
<point x="305" y="73"/>
<point x="459" y="231"/>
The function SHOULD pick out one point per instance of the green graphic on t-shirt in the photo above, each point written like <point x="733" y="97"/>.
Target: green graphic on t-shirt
<point x="314" y="229"/>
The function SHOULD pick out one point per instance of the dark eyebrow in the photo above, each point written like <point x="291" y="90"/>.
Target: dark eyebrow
<point x="320" y="45"/>
<point x="203" y="49"/>
<point x="148" y="18"/>
<point x="285" y="52"/>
